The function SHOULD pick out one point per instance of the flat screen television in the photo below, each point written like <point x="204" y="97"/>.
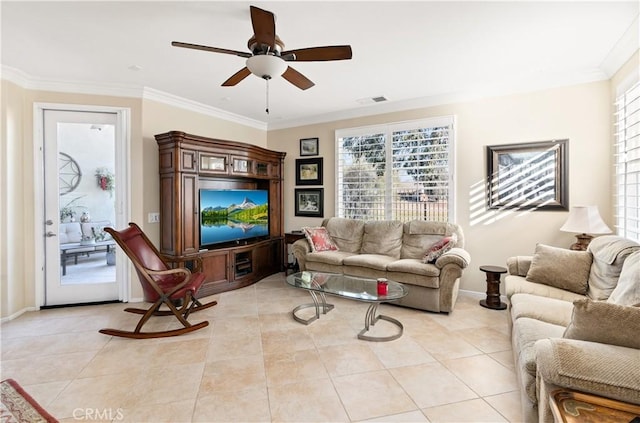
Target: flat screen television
<point x="228" y="215"/>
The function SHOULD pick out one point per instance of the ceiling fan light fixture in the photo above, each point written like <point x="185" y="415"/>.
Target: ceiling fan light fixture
<point x="266" y="66"/>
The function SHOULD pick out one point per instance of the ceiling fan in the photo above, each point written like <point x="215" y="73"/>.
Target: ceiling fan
<point x="267" y="58"/>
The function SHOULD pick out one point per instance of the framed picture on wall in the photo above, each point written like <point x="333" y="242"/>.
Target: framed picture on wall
<point x="309" y="202"/>
<point x="309" y="147"/>
<point x="528" y="175"/>
<point x="309" y="171"/>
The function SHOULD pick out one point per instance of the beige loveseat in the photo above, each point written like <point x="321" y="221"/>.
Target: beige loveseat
<point x="393" y="250"/>
<point x="573" y="324"/>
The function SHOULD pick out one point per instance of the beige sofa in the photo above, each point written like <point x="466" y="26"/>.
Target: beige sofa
<point x="592" y="345"/>
<point x="393" y="250"/>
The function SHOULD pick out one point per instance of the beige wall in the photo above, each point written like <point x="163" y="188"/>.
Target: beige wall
<point x="17" y="245"/>
<point x="580" y="113"/>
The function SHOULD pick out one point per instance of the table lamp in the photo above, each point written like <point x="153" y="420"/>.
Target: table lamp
<point x="584" y="220"/>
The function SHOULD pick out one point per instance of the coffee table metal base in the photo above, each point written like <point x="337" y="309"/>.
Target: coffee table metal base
<point x="370" y="319"/>
<point x="326" y="307"/>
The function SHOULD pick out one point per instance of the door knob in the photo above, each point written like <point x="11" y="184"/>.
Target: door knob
<point x="50" y="234"/>
<point x="48" y="222"/>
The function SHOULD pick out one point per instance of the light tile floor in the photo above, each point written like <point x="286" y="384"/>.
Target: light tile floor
<point x="254" y="363"/>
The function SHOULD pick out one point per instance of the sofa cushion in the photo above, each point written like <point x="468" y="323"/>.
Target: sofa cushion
<point x="371" y="261"/>
<point x="413" y="266"/>
<point x="319" y="239"/>
<point x="329" y="257"/>
<point x="419" y="235"/>
<point x="69" y="233"/>
<point x="346" y="233"/>
<point x="549" y="310"/>
<point x="382" y="237"/>
<point x="587" y="367"/>
<point x="561" y="268"/>
<point x="439" y="248"/>
<point x="518" y="284"/>
<point x="526" y="332"/>
<point x="627" y="292"/>
<point x="606" y="323"/>
<point x="609" y="254"/>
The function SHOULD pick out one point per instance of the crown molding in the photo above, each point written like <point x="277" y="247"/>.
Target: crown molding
<point x="29" y="82"/>
<point x="194" y="106"/>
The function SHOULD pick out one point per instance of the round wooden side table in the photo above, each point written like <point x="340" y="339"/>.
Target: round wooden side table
<point x="493" y="287"/>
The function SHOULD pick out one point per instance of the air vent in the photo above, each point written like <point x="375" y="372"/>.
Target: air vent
<point x="371" y="100"/>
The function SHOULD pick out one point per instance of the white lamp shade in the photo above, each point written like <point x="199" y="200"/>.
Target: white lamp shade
<point x="266" y="66"/>
<point x="585" y="220"/>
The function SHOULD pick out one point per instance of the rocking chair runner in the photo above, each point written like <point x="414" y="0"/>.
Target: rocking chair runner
<point x="161" y="285"/>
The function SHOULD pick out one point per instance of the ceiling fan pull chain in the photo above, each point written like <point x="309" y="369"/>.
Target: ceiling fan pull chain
<point x="267" y="109"/>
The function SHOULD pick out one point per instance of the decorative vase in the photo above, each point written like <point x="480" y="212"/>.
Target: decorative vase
<point x="85" y="217"/>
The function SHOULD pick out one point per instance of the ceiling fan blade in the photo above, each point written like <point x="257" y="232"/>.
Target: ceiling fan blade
<point x="211" y="49"/>
<point x="297" y="79"/>
<point x="264" y="27"/>
<point x="318" y="54"/>
<point x="237" y="77"/>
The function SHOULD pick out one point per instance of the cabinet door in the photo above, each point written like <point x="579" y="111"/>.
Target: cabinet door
<point x="241" y="166"/>
<point x="267" y="258"/>
<point x="190" y="223"/>
<point x="188" y="161"/>
<point x="217" y="164"/>
<point x="215" y="265"/>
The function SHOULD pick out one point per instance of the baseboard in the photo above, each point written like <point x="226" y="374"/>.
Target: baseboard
<point x="481" y="295"/>
<point x="17" y="314"/>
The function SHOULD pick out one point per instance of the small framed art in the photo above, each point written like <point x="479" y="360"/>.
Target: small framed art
<point x="309" y="147"/>
<point x="309" y="171"/>
<point x="309" y="202"/>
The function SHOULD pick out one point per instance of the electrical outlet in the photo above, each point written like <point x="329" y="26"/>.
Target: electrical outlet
<point x="154" y="217"/>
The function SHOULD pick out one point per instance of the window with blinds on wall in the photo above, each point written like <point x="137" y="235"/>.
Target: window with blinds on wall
<point x="627" y="164"/>
<point x="400" y="171"/>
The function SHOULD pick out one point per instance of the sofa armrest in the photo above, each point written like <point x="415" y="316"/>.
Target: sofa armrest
<point x="300" y="250"/>
<point x="455" y="255"/>
<point x="519" y="265"/>
<point x="605" y="370"/>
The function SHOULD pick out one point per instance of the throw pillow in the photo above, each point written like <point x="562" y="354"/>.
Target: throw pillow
<point x="439" y="248"/>
<point x="607" y="323"/>
<point x="560" y="268"/>
<point x="319" y="239"/>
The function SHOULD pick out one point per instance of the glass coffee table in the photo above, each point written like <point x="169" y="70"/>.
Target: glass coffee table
<point x="318" y="284"/>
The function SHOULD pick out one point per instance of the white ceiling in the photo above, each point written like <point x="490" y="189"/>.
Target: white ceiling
<point x="414" y="53"/>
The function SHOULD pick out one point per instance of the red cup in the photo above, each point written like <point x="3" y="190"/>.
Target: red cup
<point x="383" y="286"/>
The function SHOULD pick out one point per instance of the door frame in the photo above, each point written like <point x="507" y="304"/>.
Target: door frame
<point x="122" y="171"/>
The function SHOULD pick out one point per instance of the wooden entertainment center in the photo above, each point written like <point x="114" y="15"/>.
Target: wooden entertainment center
<point x="189" y="163"/>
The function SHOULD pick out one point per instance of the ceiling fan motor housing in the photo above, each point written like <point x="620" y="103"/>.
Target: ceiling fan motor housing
<point x="266" y="66"/>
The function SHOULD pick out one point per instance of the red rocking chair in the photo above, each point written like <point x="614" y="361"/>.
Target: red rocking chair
<point x="162" y="285"/>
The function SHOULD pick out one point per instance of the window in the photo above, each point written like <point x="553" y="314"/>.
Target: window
<point x="627" y="164"/>
<point x="400" y="171"/>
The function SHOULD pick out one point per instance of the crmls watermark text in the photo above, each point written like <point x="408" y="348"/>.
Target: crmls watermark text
<point x="98" y="414"/>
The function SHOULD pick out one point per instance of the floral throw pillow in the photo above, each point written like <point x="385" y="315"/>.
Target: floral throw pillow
<point x="319" y="239"/>
<point x="439" y="248"/>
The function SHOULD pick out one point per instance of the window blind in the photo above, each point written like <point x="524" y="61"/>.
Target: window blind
<point x="627" y="164"/>
<point x="401" y="171"/>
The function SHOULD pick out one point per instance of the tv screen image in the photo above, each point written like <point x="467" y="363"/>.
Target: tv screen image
<point x="232" y="215"/>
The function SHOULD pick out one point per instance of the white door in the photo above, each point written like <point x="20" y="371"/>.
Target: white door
<point x="79" y="157"/>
